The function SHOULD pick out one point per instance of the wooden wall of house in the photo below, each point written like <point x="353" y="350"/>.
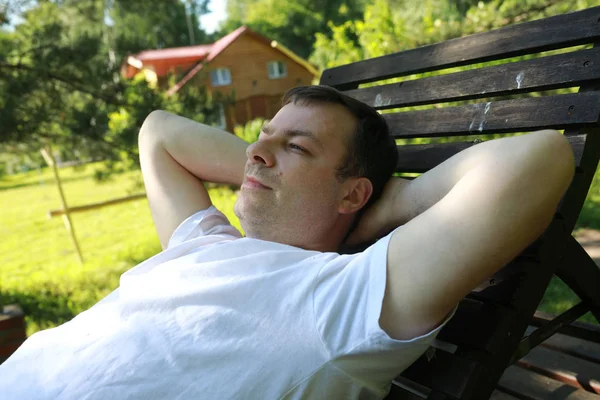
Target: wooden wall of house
<point x="254" y="107"/>
<point x="247" y="59"/>
<point x="255" y="94"/>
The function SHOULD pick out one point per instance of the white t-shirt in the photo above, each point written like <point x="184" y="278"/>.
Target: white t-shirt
<point x="218" y="316"/>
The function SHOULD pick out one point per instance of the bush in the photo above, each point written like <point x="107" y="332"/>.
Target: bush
<point x="250" y="131"/>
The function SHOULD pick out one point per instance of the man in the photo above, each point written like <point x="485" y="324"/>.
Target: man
<point x="280" y="314"/>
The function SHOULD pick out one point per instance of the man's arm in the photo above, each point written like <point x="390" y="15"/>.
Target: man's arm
<point x="176" y="155"/>
<point x="472" y="215"/>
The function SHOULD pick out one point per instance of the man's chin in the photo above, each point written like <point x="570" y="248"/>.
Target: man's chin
<point x="247" y="210"/>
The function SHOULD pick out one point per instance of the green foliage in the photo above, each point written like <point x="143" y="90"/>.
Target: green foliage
<point x="60" y="82"/>
<point x="389" y="26"/>
<point x="136" y="26"/>
<point x="250" y="131"/>
<point x="294" y="23"/>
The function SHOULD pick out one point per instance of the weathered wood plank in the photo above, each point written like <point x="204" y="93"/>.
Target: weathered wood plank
<point x="546" y="34"/>
<point x="423" y="157"/>
<point x="502" y="287"/>
<point x="521" y="382"/>
<point x="528" y="290"/>
<point x="477" y="325"/>
<point x="11" y="335"/>
<point x="404" y="389"/>
<point x="498" y="395"/>
<point x="545" y="331"/>
<point x="558" y="112"/>
<point x="580" y="348"/>
<point x="578" y="190"/>
<point x="560" y="71"/>
<point x="397" y="393"/>
<point x="563" y="367"/>
<point x="581" y="274"/>
<point x="444" y="373"/>
<point x="577" y="329"/>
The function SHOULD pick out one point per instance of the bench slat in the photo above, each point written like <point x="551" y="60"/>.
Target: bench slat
<point x="445" y="373"/>
<point x="519" y="381"/>
<point x="397" y="393"/>
<point x="563" y="367"/>
<point x="583" y="349"/>
<point x="560" y="71"/>
<point x="423" y="157"/>
<point x="581" y="330"/>
<point x="546" y="34"/>
<point x="477" y="325"/>
<point x="498" y="395"/>
<point x="558" y="112"/>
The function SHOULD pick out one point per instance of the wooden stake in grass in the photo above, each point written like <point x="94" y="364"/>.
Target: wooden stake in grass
<point x="47" y="154"/>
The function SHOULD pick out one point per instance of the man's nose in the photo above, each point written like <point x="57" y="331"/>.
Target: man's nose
<point x="259" y="152"/>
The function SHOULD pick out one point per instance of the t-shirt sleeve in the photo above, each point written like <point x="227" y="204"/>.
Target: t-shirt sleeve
<point x="347" y="303"/>
<point x="203" y="223"/>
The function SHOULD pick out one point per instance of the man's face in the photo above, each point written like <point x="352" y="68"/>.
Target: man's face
<point x="290" y="192"/>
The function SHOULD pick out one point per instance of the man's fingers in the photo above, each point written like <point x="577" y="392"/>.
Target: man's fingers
<point x="361" y="234"/>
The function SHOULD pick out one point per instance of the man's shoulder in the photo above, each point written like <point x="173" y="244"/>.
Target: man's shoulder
<point x="206" y="222"/>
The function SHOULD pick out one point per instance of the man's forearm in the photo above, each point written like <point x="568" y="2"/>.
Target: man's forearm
<point x="210" y="154"/>
<point x="514" y="154"/>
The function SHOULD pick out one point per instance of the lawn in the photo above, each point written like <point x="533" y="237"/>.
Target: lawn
<point x="39" y="269"/>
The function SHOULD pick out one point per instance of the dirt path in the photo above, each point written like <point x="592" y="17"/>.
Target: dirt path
<point x="590" y="240"/>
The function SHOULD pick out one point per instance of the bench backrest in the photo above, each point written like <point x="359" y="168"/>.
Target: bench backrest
<point x="505" y="96"/>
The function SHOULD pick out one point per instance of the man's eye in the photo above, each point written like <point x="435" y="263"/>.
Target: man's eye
<point x="296" y="147"/>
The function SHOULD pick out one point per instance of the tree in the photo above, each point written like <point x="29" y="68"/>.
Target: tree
<point x="137" y="27"/>
<point x="388" y="26"/>
<point x="60" y="81"/>
<point x="293" y="23"/>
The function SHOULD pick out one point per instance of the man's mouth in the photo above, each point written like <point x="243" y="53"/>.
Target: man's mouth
<point x="253" y="183"/>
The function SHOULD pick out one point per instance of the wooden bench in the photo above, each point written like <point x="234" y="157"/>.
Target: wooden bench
<point x="566" y="365"/>
<point x="12" y="330"/>
<point x="490" y="331"/>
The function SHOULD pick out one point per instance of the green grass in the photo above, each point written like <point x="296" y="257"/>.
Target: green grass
<point x="39" y="269"/>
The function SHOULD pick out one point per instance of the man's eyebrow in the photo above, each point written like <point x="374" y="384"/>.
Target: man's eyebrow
<point x="293" y="132"/>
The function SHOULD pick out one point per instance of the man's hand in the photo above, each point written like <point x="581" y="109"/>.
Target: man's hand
<point x="177" y="155"/>
<point x="388" y="212"/>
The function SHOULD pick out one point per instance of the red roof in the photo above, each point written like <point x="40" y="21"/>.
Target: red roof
<point x="164" y="61"/>
<point x="174" y="53"/>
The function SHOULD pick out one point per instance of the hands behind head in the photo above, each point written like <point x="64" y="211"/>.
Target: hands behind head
<point x="378" y="220"/>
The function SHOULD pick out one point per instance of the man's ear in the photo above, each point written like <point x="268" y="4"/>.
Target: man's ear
<point x="357" y="192"/>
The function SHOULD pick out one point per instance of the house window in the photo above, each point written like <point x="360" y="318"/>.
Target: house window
<point x="220" y="77"/>
<point x="277" y="69"/>
<point x="222" y="122"/>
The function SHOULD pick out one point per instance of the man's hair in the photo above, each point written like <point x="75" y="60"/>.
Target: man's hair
<point x="372" y="150"/>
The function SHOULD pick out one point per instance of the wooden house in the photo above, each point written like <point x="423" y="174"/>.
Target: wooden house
<point x="253" y="70"/>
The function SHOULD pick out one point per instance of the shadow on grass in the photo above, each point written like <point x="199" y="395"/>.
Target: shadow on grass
<point x="41" y="310"/>
<point x="8" y="186"/>
<point x="53" y="301"/>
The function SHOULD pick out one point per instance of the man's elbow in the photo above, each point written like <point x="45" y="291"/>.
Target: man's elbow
<point x="153" y="122"/>
<point x="560" y="155"/>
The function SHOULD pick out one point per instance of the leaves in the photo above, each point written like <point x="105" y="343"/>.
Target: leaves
<point x="60" y="80"/>
<point x="389" y="26"/>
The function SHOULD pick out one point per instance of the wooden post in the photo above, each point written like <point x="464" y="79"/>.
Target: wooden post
<point x="47" y="154"/>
